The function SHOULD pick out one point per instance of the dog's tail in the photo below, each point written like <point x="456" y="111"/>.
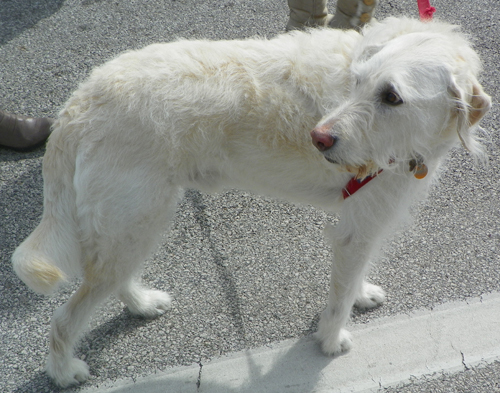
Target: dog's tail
<point x="52" y="252"/>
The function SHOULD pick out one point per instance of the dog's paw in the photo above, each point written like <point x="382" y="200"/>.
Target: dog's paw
<point x="70" y="373"/>
<point x="150" y="303"/>
<point x="371" y="296"/>
<point x="335" y="345"/>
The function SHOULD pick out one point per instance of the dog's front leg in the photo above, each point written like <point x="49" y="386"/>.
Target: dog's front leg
<point x="354" y="240"/>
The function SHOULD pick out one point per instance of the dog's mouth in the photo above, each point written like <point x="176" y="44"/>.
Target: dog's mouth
<point x="359" y="171"/>
<point x="363" y="171"/>
<point x="331" y="160"/>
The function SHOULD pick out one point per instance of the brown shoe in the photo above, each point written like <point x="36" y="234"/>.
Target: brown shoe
<point x="353" y="14"/>
<point x="307" y="13"/>
<point x="23" y="133"/>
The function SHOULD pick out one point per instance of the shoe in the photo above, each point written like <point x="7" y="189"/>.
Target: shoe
<point x="323" y="21"/>
<point x="22" y="132"/>
<point x="308" y="13"/>
<point x="353" y="14"/>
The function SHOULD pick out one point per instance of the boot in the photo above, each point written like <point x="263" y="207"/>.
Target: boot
<point x="307" y="13"/>
<point x="353" y="13"/>
<point x="23" y="133"/>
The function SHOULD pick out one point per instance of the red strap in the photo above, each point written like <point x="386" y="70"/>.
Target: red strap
<point x="355" y="184"/>
<point x="425" y="10"/>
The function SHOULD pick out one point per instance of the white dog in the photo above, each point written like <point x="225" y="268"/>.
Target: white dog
<point x="384" y="106"/>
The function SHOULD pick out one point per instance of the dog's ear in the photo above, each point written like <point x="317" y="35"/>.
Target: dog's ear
<point x="480" y="104"/>
<point x="471" y="104"/>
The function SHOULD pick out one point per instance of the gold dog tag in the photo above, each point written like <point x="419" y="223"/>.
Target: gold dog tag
<point x="418" y="168"/>
<point x="420" y="171"/>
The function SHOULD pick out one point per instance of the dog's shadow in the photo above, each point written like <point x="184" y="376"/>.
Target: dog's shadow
<point x="288" y="368"/>
<point x="300" y="365"/>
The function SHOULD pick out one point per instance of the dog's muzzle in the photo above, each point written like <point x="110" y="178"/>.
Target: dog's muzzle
<point x="324" y="140"/>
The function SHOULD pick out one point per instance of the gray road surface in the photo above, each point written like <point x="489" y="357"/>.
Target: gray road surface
<point x="244" y="271"/>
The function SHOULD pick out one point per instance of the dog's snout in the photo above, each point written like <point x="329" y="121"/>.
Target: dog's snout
<point x="322" y="139"/>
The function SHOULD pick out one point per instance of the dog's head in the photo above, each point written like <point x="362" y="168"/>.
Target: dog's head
<point x="414" y="93"/>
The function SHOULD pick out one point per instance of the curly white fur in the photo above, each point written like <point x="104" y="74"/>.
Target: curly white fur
<point x="210" y="115"/>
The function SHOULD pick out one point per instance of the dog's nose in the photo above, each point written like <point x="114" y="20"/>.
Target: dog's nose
<point x="322" y="139"/>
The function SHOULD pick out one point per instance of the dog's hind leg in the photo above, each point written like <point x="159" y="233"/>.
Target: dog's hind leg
<point x="68" y="322"/>
<point x="369" y="296"/>
<point x="109" y="263"/>
<point x="144" y="302"/>
<point x="114" y="248"/>
<point x="117" y="259"/>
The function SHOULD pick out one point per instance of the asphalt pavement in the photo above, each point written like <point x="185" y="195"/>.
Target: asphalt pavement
<point x="247" y="273"/>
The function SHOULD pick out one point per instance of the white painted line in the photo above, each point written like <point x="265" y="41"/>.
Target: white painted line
<point x="386" y="352"/>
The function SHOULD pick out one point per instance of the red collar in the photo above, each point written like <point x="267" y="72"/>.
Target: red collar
<point x="355" y="184"/>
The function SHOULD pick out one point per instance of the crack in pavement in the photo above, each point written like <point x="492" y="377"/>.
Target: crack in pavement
<point x="198" y="382"/>
<point x="463" y="362"/>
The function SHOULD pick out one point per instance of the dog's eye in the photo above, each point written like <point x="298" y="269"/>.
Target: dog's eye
<point x="392" y="98"/>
